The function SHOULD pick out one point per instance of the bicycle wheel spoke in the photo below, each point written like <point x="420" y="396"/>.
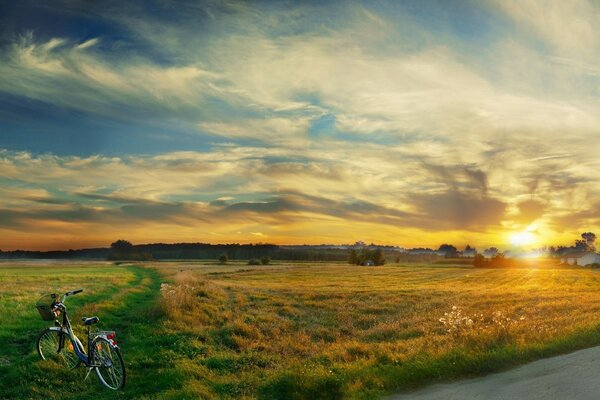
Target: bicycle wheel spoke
<point x="110" y="368"/>
<point x="48" y="348"/>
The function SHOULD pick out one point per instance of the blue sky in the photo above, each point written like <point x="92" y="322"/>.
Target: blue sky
<point x="409" y="123"/>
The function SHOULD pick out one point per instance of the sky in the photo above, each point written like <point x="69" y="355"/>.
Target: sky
<point x="409" y="123"/>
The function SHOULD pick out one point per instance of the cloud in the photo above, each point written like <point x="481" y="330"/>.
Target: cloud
<point x="87" y="44"/>
<point x="68" y="75"/>
<point x="548" y="21"/>
<point x="282" y="131"/>
<point x="453" y="210"/>
<point x="339" y="119"/>
<point x="530" y="210"/>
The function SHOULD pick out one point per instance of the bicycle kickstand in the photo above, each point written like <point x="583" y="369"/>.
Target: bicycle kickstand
<point x="88" y="373"/>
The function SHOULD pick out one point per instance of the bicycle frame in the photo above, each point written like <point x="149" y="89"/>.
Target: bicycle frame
<point x="66" y="329"/>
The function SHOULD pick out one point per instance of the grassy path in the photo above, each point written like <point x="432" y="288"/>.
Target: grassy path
<point x="131" y="309"/>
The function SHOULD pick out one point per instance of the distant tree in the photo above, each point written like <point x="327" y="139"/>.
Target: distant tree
<point x="562" y="249"/>
<point x="124" y="250"/>
<point x="223" y="258"/>
<point x="449" y="250"/>
<point x="469" y="251"/>
<point x="491" y="252"/>
<point x="353" y="257"/>
<point x="254" y="261"/>
<point x="264" y="260"/>
<point x="121" y="246"/>
<point x="479" y="261"/>
<point x="378" y="257"/>
<point x="590" y="240"/>
<point x="581" y="245"/>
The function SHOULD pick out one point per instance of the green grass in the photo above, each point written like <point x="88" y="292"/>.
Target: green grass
<point x="124" y="298"/>
<point x="293" y="331"/>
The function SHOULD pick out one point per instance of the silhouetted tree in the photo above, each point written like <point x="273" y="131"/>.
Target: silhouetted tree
<point x="590" y="240"/>
<point x="124" y="250"/>
<point x="490" y="252"/>
<point x="449" y="250"/>
<point x="469" y="251"/>
<point x="121" y="246"/>
<point x="353" y="257"/>
<point x="378" y="257"/>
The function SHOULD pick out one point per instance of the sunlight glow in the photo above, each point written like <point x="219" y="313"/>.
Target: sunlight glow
<point x="522" y="238"/>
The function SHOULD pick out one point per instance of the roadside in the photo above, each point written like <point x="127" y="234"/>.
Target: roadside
<point x="571" y="376"/>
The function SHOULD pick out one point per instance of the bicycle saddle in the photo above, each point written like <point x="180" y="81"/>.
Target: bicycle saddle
<point x="90" y="320"/>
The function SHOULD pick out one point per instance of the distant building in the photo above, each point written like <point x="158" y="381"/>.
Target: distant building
<point x="581" y="258"/>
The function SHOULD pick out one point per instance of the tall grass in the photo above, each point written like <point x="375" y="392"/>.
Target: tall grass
<point x="355" y="332"/>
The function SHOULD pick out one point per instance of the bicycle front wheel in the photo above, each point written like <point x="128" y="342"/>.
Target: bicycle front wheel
<point x="48" y="347"/>
<point x="111" y="368"/>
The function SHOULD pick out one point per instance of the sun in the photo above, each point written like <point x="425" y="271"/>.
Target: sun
<point x="522" y="238"/>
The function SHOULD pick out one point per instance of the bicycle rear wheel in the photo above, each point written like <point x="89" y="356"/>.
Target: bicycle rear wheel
<point x="111" y="371"/>
<point x="48" y="343"/>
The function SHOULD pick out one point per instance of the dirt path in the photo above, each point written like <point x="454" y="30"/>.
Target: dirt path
<point x="572" y="376"/>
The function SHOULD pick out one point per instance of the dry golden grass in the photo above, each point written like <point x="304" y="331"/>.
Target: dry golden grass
<point x="347" y="331"/>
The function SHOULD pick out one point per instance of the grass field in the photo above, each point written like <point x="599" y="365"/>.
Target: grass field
<point x="190" y="330"/>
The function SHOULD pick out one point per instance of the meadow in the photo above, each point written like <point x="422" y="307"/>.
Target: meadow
<point x="295" y="331"/>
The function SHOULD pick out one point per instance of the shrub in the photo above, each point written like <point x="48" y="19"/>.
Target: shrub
<point x="353" y="257"/>
<point x="223" y="258"/>
<point x="253" y="261"/>
<point x="479" y="260"/>
<point x="265" y="260"/>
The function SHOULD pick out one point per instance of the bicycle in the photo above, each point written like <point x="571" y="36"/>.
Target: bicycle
<point x="59" y="343"/>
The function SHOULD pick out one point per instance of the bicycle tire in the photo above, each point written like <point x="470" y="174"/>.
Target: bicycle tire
<point x="111" y="373"/>
<point x="47" y="344"/>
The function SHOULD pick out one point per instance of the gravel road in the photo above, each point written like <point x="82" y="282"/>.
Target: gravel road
<point x="574" y="376"/>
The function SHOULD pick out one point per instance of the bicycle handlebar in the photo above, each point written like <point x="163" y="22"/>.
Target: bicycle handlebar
<point x="70" y="293"/>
